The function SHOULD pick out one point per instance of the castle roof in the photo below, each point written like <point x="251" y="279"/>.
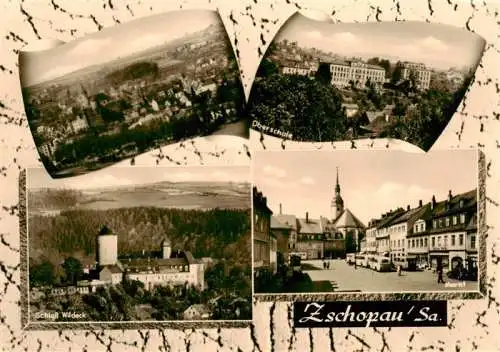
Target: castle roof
<point x="114" y="269"/>
<point x="105" y="231"/>
<point x="166" y="242"/>
<point x="144" y="264"/>
<point x="348" y="220"/>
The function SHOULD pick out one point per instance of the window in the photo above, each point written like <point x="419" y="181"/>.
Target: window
<point x="425" y="241"/>
<point x="446" y="241"/>
<point x="461" y="240"/>
<point x="433" y="241"/>
<point x="455" y="219"/>
<point x="462" y="218"/>
<point x="473" y="241"/>
<point x="440" y="222"/>
<point x="452" y="240"/>
<point x="447" y="221"/>
<point x="434" y="223"/>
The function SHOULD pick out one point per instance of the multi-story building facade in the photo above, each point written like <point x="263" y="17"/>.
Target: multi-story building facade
<point x="284" y="229"/>
<point x="453" y="231"/>
<point x="310" y="237"/>
<point x="345" y="72"/>
<point x="437" y="233"/>
<point x="399" y="228"/>
<point x="296" y="69"/>
<point x="370" y="240"/>
<point x="421" y="73"/>
<point x="261" y="231"/>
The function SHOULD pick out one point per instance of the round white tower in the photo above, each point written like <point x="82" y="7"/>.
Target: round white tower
<point x="167" y="248"/>
<point x="107" y="247"/>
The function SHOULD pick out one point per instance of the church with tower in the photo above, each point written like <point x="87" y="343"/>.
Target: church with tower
<point x="343" y="222"/>
<point x="316" y="238"/>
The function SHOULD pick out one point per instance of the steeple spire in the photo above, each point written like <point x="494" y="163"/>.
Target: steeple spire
<point x="337" y="203"/>
<point x="337" y="185"/>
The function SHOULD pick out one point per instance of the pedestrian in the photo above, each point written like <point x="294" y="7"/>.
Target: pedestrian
<point x="440" y="275"/>
<point x="399" y="270"/>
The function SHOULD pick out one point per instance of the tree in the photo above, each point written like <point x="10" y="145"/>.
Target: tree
<point x="324" y="75"/>
<point x="350" y="242"/>
<point x="308" y="109"/>
<point x="267" y="68"/>
<point x="41" y="275"/>
<point x="397" y="74"/>
<point x="72" y="269"/>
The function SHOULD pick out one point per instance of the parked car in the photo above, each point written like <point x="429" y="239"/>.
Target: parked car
<point x="462" y="274"/>
<point x="423" y="266"/>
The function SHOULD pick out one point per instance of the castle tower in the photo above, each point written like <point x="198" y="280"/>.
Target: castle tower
<point x="166" y="248"/>
<point x="337" y="203"/>
<point x="107" y="247"/>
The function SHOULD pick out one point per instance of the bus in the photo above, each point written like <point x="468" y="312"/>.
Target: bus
<point x="405" y="264"/>
<point x="350" y="258"/>
<point x="362" y="260"/>
<point x="380" y="263"/>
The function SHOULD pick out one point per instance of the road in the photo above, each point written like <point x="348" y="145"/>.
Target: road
<point x="345" y="277"/>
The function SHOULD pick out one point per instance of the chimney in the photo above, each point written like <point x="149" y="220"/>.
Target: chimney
<point x="420" y="203"/>
<point x="433" y="203"/>
<point x="307" y="217"/>
<point x="449" y="196"/>
<point x="408" y="207"/>
<point x="280" y="208"/>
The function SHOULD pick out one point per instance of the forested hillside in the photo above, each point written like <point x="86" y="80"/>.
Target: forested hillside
<point x="217" y="233"/>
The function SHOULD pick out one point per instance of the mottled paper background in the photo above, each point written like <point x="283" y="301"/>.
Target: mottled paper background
<point x="251" y="25"/>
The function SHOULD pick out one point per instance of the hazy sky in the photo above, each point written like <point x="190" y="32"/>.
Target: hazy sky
<point x="126" y="176"/>
<point x="111" y="43"/>
<point x="372" y="182"/>
<point x="436" y="45"/>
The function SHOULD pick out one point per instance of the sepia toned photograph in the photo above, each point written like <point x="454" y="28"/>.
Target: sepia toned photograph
<point x="139" y="244"/>
<point x="324" y="81"/>
<point x="365" y="221"/>
<point x="131" y="88"/>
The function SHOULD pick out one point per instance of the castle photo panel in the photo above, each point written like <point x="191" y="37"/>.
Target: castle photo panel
<point x="137" y="247"/>
<point x="321" y="81"/>
<point x="131" y="88"/>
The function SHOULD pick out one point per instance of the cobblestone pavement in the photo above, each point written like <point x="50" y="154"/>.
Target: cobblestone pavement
<point x="346" y="278"/>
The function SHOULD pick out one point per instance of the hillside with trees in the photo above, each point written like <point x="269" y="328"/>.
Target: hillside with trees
<point x="134" y="71"/>
<point x="217" y="233"/>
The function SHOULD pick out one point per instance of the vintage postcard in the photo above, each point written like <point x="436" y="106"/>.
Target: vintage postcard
<point x="354" y="248"/>
<point x="324" y="82"/>
<point x="368" y="222"/>
<point x="138" y="245"/>
<point x="132" y="88"/>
